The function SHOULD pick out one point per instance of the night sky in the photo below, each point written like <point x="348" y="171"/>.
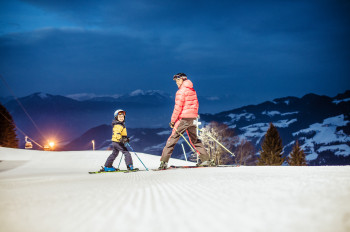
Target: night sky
<point x="251" y="51"/>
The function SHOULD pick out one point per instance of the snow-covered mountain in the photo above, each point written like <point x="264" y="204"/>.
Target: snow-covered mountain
<point x="320" y="123"/>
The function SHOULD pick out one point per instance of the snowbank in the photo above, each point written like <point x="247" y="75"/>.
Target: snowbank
<point x="52" y="191"/>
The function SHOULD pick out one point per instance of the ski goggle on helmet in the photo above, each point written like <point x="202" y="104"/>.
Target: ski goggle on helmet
<point x="117" y="112"/>
<point x="180" y="76"/>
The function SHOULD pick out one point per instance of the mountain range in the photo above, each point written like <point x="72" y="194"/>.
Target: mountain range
<point x="319" y="123"/>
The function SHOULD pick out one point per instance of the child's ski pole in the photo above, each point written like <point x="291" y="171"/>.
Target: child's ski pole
<point x="219" y="143"/>
<point x="137" y="155"/>
<point x="120" y="160"/>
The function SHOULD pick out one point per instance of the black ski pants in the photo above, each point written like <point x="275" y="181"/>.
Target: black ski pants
<point x="118" y="147"/>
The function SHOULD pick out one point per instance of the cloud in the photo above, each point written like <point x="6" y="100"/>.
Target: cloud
<point x="117" y="46"/>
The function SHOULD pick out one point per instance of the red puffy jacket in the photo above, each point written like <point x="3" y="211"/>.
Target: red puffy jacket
<point x="186" y="102"/>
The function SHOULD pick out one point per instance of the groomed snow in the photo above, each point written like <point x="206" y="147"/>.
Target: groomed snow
<point x="52" y="191"/>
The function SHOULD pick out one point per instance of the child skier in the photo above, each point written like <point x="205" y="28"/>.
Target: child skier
<point x="119" y="139"/>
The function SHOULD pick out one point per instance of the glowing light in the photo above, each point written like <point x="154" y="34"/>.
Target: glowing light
<point x="51" y="144"/>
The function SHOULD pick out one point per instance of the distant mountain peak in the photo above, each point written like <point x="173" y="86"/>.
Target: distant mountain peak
<point x="141" y="92"/>
<point x="135" y="93"/>
<point x="285" y="100"/>
<point x="89" y="96"/>
<point x="40" y="95"/>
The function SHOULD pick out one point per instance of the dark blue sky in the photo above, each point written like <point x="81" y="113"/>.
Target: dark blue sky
<point x="251" y="51"/>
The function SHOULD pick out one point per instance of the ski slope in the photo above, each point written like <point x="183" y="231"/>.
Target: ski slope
<point x="52" y="191"/>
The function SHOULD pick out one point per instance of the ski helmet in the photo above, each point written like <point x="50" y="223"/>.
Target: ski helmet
<point x="180" y="76"/>
<point x="118" y="112"/>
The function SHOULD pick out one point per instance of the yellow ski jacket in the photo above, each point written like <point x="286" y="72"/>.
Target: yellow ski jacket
<point x="119" y="131"/>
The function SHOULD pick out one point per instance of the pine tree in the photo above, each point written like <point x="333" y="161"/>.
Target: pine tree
<point x="271" y="153"/>
<point x="8" y="137"/>
<point x="297" y="156"/>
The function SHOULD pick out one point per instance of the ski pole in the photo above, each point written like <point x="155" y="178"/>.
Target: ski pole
<point x="193" y="150"/>
<point x="120" y="160"/>
<point x="184" y="151"/>
<point x="137" y="155"/>
<point x="218" y="143"/>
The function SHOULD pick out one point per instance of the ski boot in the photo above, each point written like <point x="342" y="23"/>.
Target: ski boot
<point x="163" y="165"/>
<point x="108" y="169"/>
<point x="131" y="168"/>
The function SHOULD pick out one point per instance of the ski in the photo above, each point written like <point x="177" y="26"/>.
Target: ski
<point x="186" y="167"/>
<point x="177" y="167"/>
<point x="173" y="166"/>
<point x="228" y="166"/>
<point x="123" y="171"/>
<point x="217" y="166"/>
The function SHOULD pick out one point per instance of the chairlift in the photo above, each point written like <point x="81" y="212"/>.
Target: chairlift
<point x="28" y="144"/>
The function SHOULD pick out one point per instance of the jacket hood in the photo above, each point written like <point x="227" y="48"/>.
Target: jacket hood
<point x="187" y="84"/>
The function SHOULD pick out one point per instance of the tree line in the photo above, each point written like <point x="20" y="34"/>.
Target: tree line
<point x="8" y="137"/>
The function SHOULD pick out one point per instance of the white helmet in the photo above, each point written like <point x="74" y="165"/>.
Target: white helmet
<point x="118" y="112"/>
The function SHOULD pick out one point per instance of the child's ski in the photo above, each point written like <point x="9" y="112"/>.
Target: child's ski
<point x="124" y="171"/>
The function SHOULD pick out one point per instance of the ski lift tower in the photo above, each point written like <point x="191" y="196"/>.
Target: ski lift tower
<point x="197" y="123"/>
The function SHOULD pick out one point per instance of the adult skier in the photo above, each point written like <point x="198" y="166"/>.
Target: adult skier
<point x="119" y="138"/>
<point x="185" y="112"/>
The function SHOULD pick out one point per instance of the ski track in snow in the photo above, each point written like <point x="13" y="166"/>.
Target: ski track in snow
<point x="52" y="191"/>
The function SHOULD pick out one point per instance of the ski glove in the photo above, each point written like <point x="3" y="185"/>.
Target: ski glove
<point x="171" y="124"/>
<point x="125" y="139"/>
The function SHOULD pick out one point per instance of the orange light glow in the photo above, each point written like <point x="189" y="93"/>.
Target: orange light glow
<point x="52" y="144"/>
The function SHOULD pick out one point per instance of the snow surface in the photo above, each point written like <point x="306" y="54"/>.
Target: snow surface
<point x="43" y="95"/>
<point x="325" y="133"/>
<point x="339" y="150"/>
<point x="342" y="100"/>
<point x="258" y="130"/>
<point x="52" y="191"/>
<point x="237" y="117"/>
<point x="273" y="113"/>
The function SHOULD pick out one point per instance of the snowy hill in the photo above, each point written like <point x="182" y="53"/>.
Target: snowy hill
<point x="52" y="191"/>
<point x="320" y="123"/>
